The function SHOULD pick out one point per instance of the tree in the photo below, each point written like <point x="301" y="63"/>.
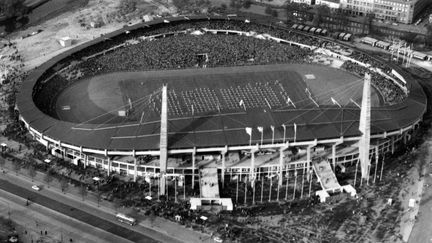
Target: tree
<point x="341" y="19"/>
<point x="64" y="185"/>
<point x="2" y="162"/>
<point x="268" y="10"/>
<point x="247" y="4"/>
<point x="116" y="203"/>
<point x="32" y="172"/>
<point x="320" y="12"/>
<point x="13" y="8"/>
<point x="127" y="6"/>
<point x="236" y="4"/>
<point x="429" y="34"/>
<point x="16" y="166"/>
<point x="48" y="178"/>
<point x="98" y="197"/>
<point x="83" y="191"/>
<point x="367" y="23"/>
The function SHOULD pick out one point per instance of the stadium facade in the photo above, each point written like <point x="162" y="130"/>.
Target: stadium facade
<point x="325" y="133"/>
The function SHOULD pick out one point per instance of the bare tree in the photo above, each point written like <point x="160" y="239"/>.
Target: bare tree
<point x="48" y="178"/>
<point x="83" y="191"/>
<point x="32" y="172"/>
<point x="116" y="203"/>
<point x="12" y="8"/>
<point x="64" y="185"/>
<point x="17" y="166"/>
<point x="98" y="197"/>
<point x="2" y="162"/>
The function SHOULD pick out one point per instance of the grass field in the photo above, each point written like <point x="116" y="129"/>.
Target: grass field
<point x="192" y="92"/>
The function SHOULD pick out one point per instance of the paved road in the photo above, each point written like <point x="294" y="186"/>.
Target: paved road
<point x="75" y="213"/>
<point x="34" y="218"/>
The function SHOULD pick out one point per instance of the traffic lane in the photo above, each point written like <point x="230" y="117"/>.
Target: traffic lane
<point x="37" y="217"/>
<point x="75" y="213"/>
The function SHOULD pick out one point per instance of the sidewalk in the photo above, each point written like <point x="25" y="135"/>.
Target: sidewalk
<point x="159" y="228"/>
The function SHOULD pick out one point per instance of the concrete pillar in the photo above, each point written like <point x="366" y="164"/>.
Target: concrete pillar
<point x="334" y="156"/>
<point x="308" y="161"/>
<point x="252" y="168"/>
<point x="109" y="162"/>
<point x="135" y="169"/>
<point x="281" y="163"/>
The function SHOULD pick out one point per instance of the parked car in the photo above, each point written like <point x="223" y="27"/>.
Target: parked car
<point x="34" y="187"/>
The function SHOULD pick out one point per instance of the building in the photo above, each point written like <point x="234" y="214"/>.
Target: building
<point x="272" y="147"/>
<point x="386" y="10"/>
<point x="335" y="4"/>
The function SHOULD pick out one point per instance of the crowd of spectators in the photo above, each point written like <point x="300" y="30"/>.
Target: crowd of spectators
<point x="390" y="92"/>
<point x="174" y="47"/>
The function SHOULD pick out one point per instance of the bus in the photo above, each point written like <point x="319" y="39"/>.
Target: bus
<point x="125" y="219"/>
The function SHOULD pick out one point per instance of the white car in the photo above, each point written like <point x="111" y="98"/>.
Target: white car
<point x="34" y="187"/>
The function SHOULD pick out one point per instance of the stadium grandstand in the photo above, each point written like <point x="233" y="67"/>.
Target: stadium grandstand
<point x="244" y="100"/>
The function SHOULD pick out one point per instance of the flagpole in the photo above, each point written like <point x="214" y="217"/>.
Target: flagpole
<point x="175" y="189"/>
<point x="295" y="183"/>
<point x="237" y="190"/>
<point x="278" y="188"/>
<point x="245" y="198"/>
<point x="262" y="188"/>
<point x="272" y="128"/>
<point x="310" y="182"/>
<point x="301" y="194"/>
<point x="355" y="175"/>
<point x="253" y="191"/>
<point x="286" y="189"/>
<point x="271" y="185"/>
<point x="150" y="192"/>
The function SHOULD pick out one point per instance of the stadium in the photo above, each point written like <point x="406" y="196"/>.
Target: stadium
<point x="243" y="96"/>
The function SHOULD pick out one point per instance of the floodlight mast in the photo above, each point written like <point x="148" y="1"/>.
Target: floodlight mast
<point x="163" y="145"/>
<point x="364" y="127"/>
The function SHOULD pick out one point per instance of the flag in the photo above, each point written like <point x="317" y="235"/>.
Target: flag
<point x="289" y="101"/>
<point x="308" y="92"/>
<point x="247" y="21"/>
<point x="335" y="102"/>
<point x="272" y="128"/>
<point x="235" y="178"/>
<point x="147" y="179"/>
<point x="193" y="111"/>
<point x="260" y="129"/>
<point x="295" y="129"/>
<point x="249" y="130"/>
<point x="242" y="104"/>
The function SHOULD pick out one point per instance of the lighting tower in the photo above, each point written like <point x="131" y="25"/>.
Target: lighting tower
<point x="163" y="146"/>
<point x="364" y="127"/>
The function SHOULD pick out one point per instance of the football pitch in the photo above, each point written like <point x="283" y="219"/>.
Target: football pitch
<point x="135" y="97"/>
